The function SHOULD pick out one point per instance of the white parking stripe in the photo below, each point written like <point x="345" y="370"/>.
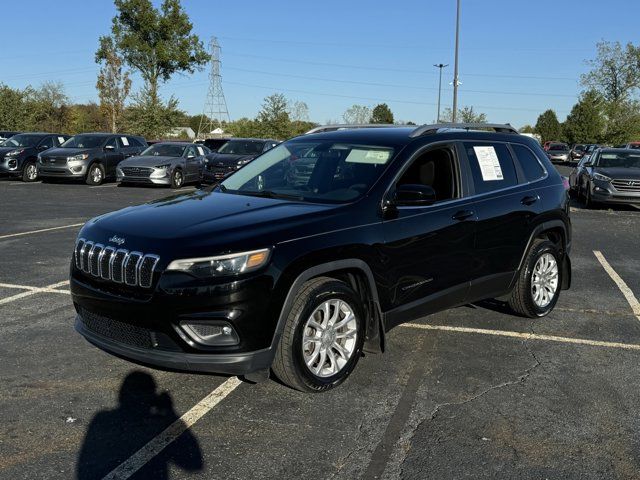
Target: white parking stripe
<point x="110" y="185"/>
<point x="525" y="336"/>
<point x="10" y="235"/>
<point x="157" y="444"/>
<point x="624" y="288"/>
<point x="33" y="290"/>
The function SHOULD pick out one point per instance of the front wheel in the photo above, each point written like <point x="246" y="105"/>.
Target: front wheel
<point x="322" y="338"/>
<point x="95" y="175"/>
<point x="177" y="178"/>
<point x="538" y="287"/>
<point x="30" y="172"/>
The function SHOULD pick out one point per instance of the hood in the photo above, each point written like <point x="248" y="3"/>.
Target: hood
<point x="67" y="152"/>
<point x="148" y="161"/>
<point x="619" y="172"/>
<point x="227" y="158"/>
<point x="205" y="223"/>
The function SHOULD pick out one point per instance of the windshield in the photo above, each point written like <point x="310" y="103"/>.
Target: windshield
<point x="242" y="147"/>
<point x="319" y="171"/>
<point x="559" y="146"/>
<point x="84" y="141"/>
<point x="634" y="146"/>
<point x="579" y="148"/>
<point x="22" y="141"/>
<point x="624" y="160"/>
<point x="164" y="150"/>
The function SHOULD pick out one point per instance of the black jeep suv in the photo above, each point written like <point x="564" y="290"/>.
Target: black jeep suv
<point x="262" y="274"/>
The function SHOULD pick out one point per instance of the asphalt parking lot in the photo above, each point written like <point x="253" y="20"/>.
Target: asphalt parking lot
<point x="469" y="393"/>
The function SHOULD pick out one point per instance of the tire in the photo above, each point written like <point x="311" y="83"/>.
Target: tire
<point x="177" y="178"/>
<point x="95" y="175"/>
<point x="294" y="362"/>
<point x="522" y="299"/>
<point x="29" y="172"/>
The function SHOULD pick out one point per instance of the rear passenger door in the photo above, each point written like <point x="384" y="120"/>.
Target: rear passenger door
<point x="506" y="203"/>
<point x="112" y="155"/>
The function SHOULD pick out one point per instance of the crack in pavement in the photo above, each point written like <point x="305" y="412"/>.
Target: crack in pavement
<point x="405" y="442"/>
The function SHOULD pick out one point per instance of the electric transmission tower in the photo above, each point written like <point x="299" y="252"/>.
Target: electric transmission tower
<point x="215" y="108"/>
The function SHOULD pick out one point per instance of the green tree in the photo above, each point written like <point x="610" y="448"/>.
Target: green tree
<point x="85" y="118"/>
<point x="274" y="117"/>
<point x="113" y="83"/>
<point x="623" y="122"/>
<point x="527" y="129"/>
<point x="12" y="108"/>
<point x="586" y="122"/>
<point x="381" y="113"/>
<point x="156" y="42"/>
<point x="151" y="117"/>
<point x="465" y="115"/>
<point x="615" y="72"/>
<point x="548" y="126"/>
<point x="244" y="127"/>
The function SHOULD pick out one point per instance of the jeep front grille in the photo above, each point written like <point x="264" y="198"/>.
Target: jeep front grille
<point x="118" y="265"/>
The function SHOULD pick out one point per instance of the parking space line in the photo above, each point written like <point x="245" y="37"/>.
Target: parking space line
<point x="111" y="185"/>
<point x="525" y="336"/>
<point x="33" y="290"/>
<point x="624" y="288"/>
<point x="157" y="444"/>
<point x="11" y="235"/>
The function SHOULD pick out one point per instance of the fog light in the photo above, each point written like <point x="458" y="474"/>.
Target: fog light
<point x="211" y="333"/>
<point x="76" y="169"/>
<point x="13" y="164"/>
<point x="601" y="190"/>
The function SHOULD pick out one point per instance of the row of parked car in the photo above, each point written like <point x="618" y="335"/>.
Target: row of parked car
<point x="99" y="157"/>
<point x="560" y="152"/>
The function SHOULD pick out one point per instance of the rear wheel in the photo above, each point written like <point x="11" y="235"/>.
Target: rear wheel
<point x="30" y="172"/>
<point x="538" y="287"/>
<point x="95" y="175"/>
<point x="322" y="338"/>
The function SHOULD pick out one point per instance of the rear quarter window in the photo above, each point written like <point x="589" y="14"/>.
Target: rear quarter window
<point x="529" y="162"/>
<point x="491" y="166"/>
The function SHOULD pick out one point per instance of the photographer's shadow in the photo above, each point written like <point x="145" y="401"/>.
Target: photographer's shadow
<point x="114" y="435"/>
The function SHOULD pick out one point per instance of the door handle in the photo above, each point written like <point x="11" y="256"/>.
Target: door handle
<point x="530" y="200"/>
<point x="463" y="215"/>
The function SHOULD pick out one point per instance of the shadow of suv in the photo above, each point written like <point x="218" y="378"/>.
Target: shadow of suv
<point x="384" y="225"/>
<point x="90" y="156"/>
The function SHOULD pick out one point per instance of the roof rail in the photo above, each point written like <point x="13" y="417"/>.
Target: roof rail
<point x="431" y="129"/>
<point x="348" y="126"/>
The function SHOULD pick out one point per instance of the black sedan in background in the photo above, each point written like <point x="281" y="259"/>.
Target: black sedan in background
<point x="165" y="163"/>
<point x="19" y="153"/>
<point x="609" y="175"/>
<point x="232" y="155"/>
<point x="89" y="156"/>
<point x="558" y="152"/>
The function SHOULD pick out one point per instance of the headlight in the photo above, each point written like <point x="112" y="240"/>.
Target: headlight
<point x="160" y="171"/>
<point x="14" y="153"/>
<point x="599" y="176"/>
<point x="243" y="162"/>
<point x="223" y="265"/>
<point x="164" y="165"/>
<point x="77" y="158"/>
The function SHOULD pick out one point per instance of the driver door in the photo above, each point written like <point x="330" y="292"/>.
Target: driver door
<point x="112" y="156"/>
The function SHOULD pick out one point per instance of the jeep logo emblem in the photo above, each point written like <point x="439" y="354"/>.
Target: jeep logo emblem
<point x="117" y="240"/>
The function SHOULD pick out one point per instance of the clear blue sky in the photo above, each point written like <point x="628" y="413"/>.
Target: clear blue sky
<point x="517" y="57"/>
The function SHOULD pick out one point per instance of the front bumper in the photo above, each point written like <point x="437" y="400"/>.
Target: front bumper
<point x="151" y="326"/>
<point x="10" y="166"/>
<point x="215" y="174"/>
<point x="603" y="192"/>
<point x="558" y="159"/>
<point x="62" y="171"/>
<point x="144" y="180"/>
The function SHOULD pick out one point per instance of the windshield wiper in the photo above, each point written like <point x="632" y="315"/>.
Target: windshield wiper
<point x="270" y="194"/>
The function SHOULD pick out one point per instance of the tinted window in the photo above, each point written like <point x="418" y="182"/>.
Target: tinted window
<point x="23" y="140"/>
<point x="112" y="143"/>
<point x="192" y="151"/>
<point x="242" y="147"/>
<point x="164" y="150"/>
<point x="491" y="166"/>
<point x="529" y="163"/>
<point x="84" y="141"/>
<point x="47" y="142"/>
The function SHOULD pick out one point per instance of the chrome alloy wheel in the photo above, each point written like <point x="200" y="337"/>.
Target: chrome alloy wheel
<point x="96" y="175"/>
<point x="32" y="172"/>
<point x="544" y="280"/>
<point x="178" y="179"/>
<point x="329" y="338"/>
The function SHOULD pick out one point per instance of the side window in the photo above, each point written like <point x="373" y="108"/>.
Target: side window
<point x="529" y="162"/>
<point x="200" y="150"/>
<point x="59" y="140"/>
<point x="436" y="168"/>
<point x="112" y="143"/>
<point x="47" y="142"/>
<point x="191" y="151"/>
<point x="491" y="166"/>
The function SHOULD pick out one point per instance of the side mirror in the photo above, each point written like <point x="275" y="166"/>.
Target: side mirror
<point x="414" y="195"/>
<point x="109" y="148"/>
<point x="588" y="164"/>
<point x="42" y="148"/>
<point x="191" y="155"/>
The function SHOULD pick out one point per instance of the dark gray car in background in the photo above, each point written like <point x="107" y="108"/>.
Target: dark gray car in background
<point x="89" y="156"/>
<point x="164" y="163"/>
<point x="19" y="153"/>
<point x="233" y="155"/>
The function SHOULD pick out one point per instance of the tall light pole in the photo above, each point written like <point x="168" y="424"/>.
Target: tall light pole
<point x="455" y="68"/>
<point x="440" y="66"/>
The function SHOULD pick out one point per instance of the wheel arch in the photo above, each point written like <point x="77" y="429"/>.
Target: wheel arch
<point x="358" y="275"/>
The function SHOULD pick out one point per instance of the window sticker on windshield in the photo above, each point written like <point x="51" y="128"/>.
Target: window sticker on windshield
<point x="200" y="151"/>
<point x="60" y="139"/>
<point x="125" y="141"/>
<point x="489" y="163"/>
<point x="374" y="157"/>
